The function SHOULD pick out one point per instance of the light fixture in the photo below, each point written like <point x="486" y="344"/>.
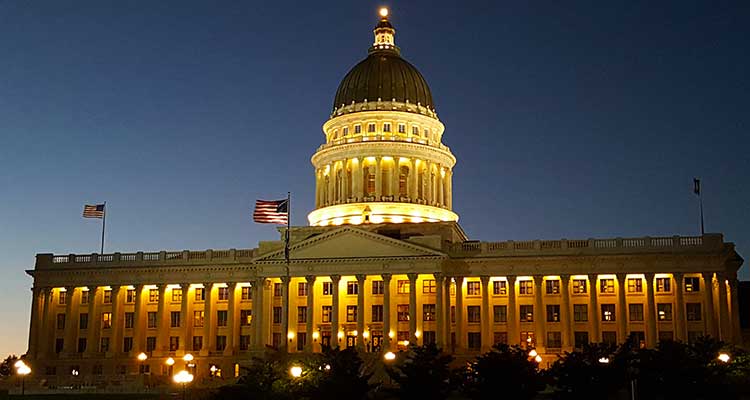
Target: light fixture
<point x="316" y="335"/>
<point x="604" y="360"/>
<point x="417" y="334"/>
<point x="538" y="358"/>
<point x="340" y="335"/>
<point x="724" y="357"/>
<point x="355" y="333"/>
<point x="365" y="334"/>
<point x="169" y="361"/>
<point x="142" y="357"/>
<point x="187" y="357"/>
<point x="533" y="353"/>
<point x="295" y="371"/>
<point x="389" y="356"/>
<point x="290" y="335"/>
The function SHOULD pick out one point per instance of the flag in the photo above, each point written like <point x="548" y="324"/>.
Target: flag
<point x="697" y="186"/>
<point x="271" y="211"/>
<point x="93" y="211"/>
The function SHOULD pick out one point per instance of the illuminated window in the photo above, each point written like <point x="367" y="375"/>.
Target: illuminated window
<point x="526" y="287"/>
<point x="474" y="314"/>
<point x="377" y="313"/>
<point x="580" y="312"/>
<point x="636" y="312"/>
<point x="428" y="312"/>
<point x="200" y="294"/>
<point x="552" y="286"/>
<point x="327" y="288"/>
<point x="130" y="296"/>
<point x="401" y="128"/>
<point x="579" y="286"/>
<point x="246" y="317"/>
<point x="84" y="297"/>
<point x="174" y="319"/>
<point x="403" y="287"/>
<point x="692" y="284"/>
<point x="301" y="289"/>
<point x="106" y="320"/>
<point x="176" y="295"/>
<point x="151" y="318"/>
<point x="635" y="285"/>
<point x="554" y="340"/>
<point x="663" y="285"/>
<point x="387" y="127"/>
<point x="63" y="297"/>
<point x="428" y="286"/>
<point x="223" y="293"/>
<point x="153" y="295"/>
<point x="527" y="339"/>
<point x="351" y="313"/>
<point x="553" y="313"/>
<point x="664" y="311"/>
<point x="500" y="314"/>
<point x="129" y="320"/>
<point x="473" y="288"/>
<point x="357" y="128"/>
<point x="247" y="293"/>
<point x="526" y="313"/>
<point x="500" y="288"/>
<point x="352" y="287"/>
<point x="107" y="296"/>
<point x="221" y="317"/>
<point x="327" y="313"/>
<point x="198" y="319"/>
<point x="402" y="312"/>
<point x="693" y="311"/>
<point x="608" y="312"/>
<point x="277" y="289"/>
<point x="606" y="286"/>
<point x="377" y="287"/>
<point x="370" y="128"/>
<point x="277" y="315"/>
<point x="301" y="314"/>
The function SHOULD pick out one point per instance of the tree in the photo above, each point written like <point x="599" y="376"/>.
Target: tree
<point x="422" y="372"/>
<point x="264" y="378"/>
<point x="6" y="367"/>
<point x="337" y="374"/>
<point x="596" y="371"/>
<point x="504" y="369"/>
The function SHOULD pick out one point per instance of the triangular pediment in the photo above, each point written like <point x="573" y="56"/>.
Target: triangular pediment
<point x="351" y="243"/>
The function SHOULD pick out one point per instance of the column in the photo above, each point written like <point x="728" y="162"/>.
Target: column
<point x="447" y="324"/>
<point x="361" y="279"/>
<point x="118" y="320"/>
<point x="651" y="337"/>
<point x="386" y="312"/>
<point x="708" y="305"/>
<point x="310" y="279"/>
<point x="36" y="303"/>
<point x="208" y="339"/>
<point x="725" y="332"/>
<point x="357" y="176"/>
<point x="138" y="327"/>
<point x="44" y="336"/>
<point x="514" y="337"/>
<point x="679" y="312"/>
<point x="162" y="344"/>
<point x="596" y="334"/>
<point x="486" y="321"/>
<point x="71" y="321"/>
<point x="428" y="178"/>
<point x="259" y="340"/>
<point x="460" y="314"/>
<point x="735" y="313"/>
<point x="336" y="279"/>
<point x="330" y="184"/>
<point x="345" y="182"/>
<point x="285" y="281"/>
<point x="622" y="318"/>
<point x="566" y="324"/>
<point x="92" y="332"/>
<point x="378" y="179"/>
<point x="413" y="179"/>
<point x="233" y="326"/>
<point x="449" y="189"/>
<point x="413" y="308"/>
<point x="539" y="314"/>
<point x="440" y="189"/>
<point x="395" y="179"/>
<point x="185" y="320"/>
<point x="439" y="314"/>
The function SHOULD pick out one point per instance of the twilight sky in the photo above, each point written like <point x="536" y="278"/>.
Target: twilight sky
<point x="569" y="120"/>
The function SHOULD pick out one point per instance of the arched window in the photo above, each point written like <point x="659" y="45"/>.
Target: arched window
<point x="402" y="181"/>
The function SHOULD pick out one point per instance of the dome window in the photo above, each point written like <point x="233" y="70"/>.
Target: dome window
<point x="346" y="131"/>
<point x="370" y="128"/>
<point x="415" y="130"/>
<point x="357" y="128"/>
<point x="401" y="128"/>
<point x="387" y="127"/>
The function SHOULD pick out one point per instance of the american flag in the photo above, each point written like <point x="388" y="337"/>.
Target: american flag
<point x="93" y="211"/>
<point x="271" y="211"/>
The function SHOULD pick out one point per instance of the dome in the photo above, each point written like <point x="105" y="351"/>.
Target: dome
<point x="384" y="76"/>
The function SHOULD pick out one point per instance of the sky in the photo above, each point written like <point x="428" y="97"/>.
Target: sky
<point x="568" y="119"/>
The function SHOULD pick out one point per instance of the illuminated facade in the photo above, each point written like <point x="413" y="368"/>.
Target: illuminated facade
<point x="382" y="264"/>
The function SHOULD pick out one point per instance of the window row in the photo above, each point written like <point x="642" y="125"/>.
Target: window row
<point x="386" y="127"/>
<point x="153" y="295"/>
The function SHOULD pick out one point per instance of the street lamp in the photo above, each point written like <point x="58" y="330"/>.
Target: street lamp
<point x="183" y="377"/>
<point x="22" y="370"/>
<point x="389" y="356"/>
<point x="724" y="357"/>
<point x="295" y="371"/>
<point x="142" y="357"/>
<point x="170" y="363"/>
<point x="604" y="360"/>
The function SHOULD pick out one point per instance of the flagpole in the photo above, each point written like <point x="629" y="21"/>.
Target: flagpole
<point x="697" y="191"/>
<point x="104" y="223"/>
<point x="700" y="201"/>
<point x="287" y="284"/>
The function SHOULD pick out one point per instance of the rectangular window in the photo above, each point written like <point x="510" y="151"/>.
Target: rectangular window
<point x="174" y="319"/>
<point x="666" y="336"/>
<point x="387" y="127"/>
<point x="635" y="285"/>
<point x="664" y="311"/>
<point x="663" y="285"/>
<point x="301" y="314"/>
<point x="401" y="128"/>
<point x="221" y="317"/>
<point x="84" y="297"/>
<point x="127" y="344"/>
<point x="244" y="342"/>
<point x="346" y="130"/>
<point x="352" y="287"/>
<point x="500" y="337"/>
<point x="247" y="293"/>
<point x="106" y="320"/>
<point x="428" y="312"/>
<point x="223" y="293"/>
<point x="636" y="312"/>
<point x="693" y="336"/>
<point x="428" y="286"/>
<point x="554" y="340"/>
<point x="500" y="314"/>
<point x="609" y="337"/>
<point x="378" y="287"/>
<point x="474" y="314"/>
<point x="130" y="296"/>
<point x="200" y="294"/>
<point x="370" y="128"/>
<point x="606" y="286"/>
<point x="153" y="295"/>
<point x="415" y="130"/>
<point x="357" y="128"/>
<point x="277" y="289"/>
<point x="475" y="340"/>
<point x="580" y="312"/>
<point x="83" y="321"/>
<point x="197" y="343"/>
<point x="403" y="287"/>
<point x="580" y="339"/>
<point x="402" y="312"/>
<point x="473" y="288"/>
<point x="500" y="288"/>
<point x="692" y="284"/>
<point x="526" y="312"/>
<point x="174" y="343"/>
<point x="59" y="344"/>
<point x="107" y="296"/>
<point x="377" y="313"/>
<point x="552" y="286"/>
<point x="579" y="286"/>
<point x="129" y="320"/>
<point x="327" y="313"/>
<point x="221" y="342"/>
<point x="301" y="340"/>
<point x="302" y="289"/>
<point x="277" y="315"/>
<point x="693" y="311"/>
<point x="198" y="319"/>
<point x="104" y="345"/>
<point x="327" y="288"/>
<point x="176" y="295"/>
<point x="81" y="345"/>
<point x="527" y="339"/>
<point x="351" y="313"/>
<point x="608" y="312"/>
<point x="151" y="343"/>
<point x="553" y="313"/>
<point x="525" y="287"/>
<point x="246" y="317"/>
<point x="151" y="319"/>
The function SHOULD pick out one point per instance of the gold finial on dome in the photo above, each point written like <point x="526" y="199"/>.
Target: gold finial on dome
<point x="383" y="12"/>
<point x="384" y="32"/>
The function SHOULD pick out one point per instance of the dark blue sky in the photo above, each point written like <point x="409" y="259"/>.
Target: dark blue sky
<point x="589" y="119"/>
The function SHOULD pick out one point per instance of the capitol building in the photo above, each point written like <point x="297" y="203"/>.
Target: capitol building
<point x="383" y="264"/>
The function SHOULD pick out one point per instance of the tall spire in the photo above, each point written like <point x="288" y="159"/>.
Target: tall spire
<point x="384" y="33"/>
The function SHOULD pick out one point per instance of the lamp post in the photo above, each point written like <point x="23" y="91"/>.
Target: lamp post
<point x="142" y="357"/>
<point x="183" y="377"/>
<point x="22" y="369"/>
<point x="170" y="364"/>
<point x="295" y="371"/>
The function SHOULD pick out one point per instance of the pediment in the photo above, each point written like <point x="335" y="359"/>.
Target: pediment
<point x="350" y="243"/>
